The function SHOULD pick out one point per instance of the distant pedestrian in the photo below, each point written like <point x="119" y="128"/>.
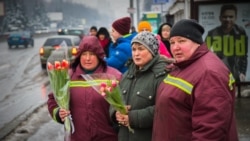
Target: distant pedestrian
<point x="133" y="30"/>
<point x="93" y="31"/>
<point x="104" y="39"/>
<point x="120" y="50"/>
<point x="146" y="26"/>
<point x="195" y="102"/>
<point x="163" y="35"/>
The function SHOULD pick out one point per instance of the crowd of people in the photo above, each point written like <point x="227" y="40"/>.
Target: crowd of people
<point x="173" y="86"/>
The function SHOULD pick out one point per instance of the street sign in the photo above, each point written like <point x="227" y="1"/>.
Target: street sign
<point x="154" y="18"/>
<point x="160" y="1"/>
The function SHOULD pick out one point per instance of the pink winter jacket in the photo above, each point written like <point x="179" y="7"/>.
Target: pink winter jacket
<point x="162" y="48"/>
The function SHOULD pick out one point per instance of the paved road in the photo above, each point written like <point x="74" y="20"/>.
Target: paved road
<point x="40" y="126"/>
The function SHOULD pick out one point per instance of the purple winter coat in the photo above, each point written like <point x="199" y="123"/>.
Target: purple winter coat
<point x="205" y="112"/>
<point x="89" y="110"/>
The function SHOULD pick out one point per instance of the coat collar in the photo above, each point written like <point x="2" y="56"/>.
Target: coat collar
<point x="200" y="51"/>
<point x="156" y="65"/>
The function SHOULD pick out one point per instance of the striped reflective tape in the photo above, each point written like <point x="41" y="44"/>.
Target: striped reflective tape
<point x="179" y="83"/>
<point x="87" y="83"/>
<point x="231" y="81"/>
<point x="54" y="113"/>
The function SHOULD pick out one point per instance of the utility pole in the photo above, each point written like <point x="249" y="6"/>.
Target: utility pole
<point x="186" y="9"/>
<point x="138" y="11"/>
<point x="131" y="6"/>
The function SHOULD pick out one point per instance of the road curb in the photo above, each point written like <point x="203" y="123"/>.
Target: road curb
<point x="9" y="127"/>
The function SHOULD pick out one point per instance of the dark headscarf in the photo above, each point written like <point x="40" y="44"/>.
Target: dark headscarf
<point x="160" y="29"/>
<point x="165" y="42"/>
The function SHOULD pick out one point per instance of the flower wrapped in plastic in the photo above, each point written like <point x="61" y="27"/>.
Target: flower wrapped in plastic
<point x="107" y="86"/>
<point x="58" y="68"/>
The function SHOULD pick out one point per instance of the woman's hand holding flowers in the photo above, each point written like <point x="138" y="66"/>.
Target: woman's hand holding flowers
<point x="123" y="119"/>
<point x="63" y="113"/>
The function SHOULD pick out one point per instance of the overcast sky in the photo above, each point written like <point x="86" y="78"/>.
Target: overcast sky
<point x="118" y="7"/>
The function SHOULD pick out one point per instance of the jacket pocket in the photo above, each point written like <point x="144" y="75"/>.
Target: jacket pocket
<point x="145" y="95"/>
<point x="143" y="99"/>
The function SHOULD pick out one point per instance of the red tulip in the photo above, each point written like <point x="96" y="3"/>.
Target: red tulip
<point x="57" y="65"/>
<point x="65" y="64"/>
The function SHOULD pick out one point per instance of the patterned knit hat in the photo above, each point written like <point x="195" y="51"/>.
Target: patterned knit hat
<point x="148" y="40"/>
<point x="188" y="28"/>
<point x="144" y="25"/>
<point x="122" y="25"/>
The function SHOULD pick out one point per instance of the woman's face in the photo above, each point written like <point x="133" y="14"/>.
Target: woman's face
<point x="93" y="32"/>
<point x="165" y="31"/>
<point x="89" y="60"/>
<point x="182" y="48"/>
<point x="101" y="36"/>
<point x="141" y="55"/>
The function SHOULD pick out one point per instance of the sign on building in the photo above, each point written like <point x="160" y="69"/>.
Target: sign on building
<point x="160" y="1"/>
<point x="232" y="47"/>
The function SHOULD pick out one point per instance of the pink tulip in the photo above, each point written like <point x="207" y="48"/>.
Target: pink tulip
<point x="109" y="89"/>
<point x="102" y="89"/>
<point x="113" y="83"/>
<point x="103" y="94"/>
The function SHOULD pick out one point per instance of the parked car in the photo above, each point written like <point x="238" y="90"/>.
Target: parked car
<point x="71" y="31"/>
<point x="24" y="38"/>
<point x="54" y="42"/>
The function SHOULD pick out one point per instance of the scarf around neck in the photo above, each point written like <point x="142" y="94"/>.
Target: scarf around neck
<point x="104" y="42"/>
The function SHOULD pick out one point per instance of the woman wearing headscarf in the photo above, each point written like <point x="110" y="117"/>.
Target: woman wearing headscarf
<point x="163" y="35"/>
<point x="89" y="110"/>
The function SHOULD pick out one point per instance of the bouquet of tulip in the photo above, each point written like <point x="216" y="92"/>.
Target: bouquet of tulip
<point x="107" y="86"/>
<point x="57" y="68"/>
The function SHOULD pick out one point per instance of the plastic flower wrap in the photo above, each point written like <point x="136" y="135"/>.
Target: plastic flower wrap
<point x="107" y="86"/>
<point x="58" y="68"/>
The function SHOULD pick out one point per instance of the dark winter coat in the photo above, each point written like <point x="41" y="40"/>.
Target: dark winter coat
<point x="139" y="90"/>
